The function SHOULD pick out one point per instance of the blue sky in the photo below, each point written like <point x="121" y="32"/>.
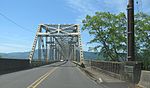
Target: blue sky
<point x="30" y="13"/>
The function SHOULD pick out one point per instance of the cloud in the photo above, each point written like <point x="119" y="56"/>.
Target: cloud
<point x="91" y="6"/>
<point x="82" y="8"/>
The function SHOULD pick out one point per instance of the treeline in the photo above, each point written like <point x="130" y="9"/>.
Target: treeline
<point x="110" y="36"/>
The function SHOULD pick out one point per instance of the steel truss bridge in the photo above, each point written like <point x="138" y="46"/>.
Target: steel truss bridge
<point x="57" y="42"/>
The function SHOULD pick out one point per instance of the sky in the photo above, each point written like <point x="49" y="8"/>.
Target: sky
<point x="19" y="19"/>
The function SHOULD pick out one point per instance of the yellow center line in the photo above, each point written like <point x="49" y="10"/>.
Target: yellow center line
<point x="42" y="78"/>
<point x="30" y="86"/>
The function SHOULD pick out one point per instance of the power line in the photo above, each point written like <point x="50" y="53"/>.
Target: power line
<point x="7" y="18"/>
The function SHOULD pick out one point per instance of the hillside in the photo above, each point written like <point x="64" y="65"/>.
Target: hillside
<point x="24" y="55"/>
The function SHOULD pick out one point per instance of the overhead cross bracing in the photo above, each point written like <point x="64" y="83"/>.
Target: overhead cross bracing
<point x="57" y="42"/>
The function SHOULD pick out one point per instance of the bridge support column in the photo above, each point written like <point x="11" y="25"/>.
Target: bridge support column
<point x="52" y="49"/>
<point x="46" y="49"/>
<point x="39" y="48"/>
<point x="50" y="46"/>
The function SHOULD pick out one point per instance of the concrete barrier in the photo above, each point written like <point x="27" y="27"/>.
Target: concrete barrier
<point x="10" y="65"/>
<point x="145" y="79"/>
<point x="128" y="71"/>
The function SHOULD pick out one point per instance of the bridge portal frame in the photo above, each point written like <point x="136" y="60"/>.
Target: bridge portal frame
<point x="57" y="41"/>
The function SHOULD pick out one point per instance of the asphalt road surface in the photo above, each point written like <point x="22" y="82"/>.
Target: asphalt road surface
<point x="57" y="75"/>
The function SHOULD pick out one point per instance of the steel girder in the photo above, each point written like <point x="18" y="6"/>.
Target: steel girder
<point x="57" y="42"/>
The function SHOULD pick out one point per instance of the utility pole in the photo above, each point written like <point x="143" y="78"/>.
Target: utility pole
<point x="131" y="45"/>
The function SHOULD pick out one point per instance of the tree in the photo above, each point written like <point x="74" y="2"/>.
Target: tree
<point x="109" y="33"/>
<point x="142" y="32"/>
<point x="142" y="38"/>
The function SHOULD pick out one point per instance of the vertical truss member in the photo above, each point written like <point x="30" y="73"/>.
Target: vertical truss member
<point x="58" y="42"/>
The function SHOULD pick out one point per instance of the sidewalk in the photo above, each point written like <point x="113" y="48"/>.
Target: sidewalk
<point x="105" y="80"/>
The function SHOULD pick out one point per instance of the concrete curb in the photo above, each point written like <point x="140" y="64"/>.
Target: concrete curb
<point x="91" y="76"/>
<point x="144" y="79"/>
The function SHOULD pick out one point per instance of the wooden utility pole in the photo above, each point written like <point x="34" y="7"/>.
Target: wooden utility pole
<point x="131" y="45"/>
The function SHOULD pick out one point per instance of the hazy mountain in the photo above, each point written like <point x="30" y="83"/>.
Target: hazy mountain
<point x="24" y="55"/>
<point x="16" y="55"/>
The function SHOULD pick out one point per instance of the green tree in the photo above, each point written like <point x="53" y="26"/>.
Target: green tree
<point x="142" y="38"/>
<point x="142" y="32"/>
<point x="109" y="33"/>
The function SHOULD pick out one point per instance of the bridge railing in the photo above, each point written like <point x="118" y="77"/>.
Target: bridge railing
<point x="115" y="67"/>
<point x="10" y="65"/>
<point x="128" y="71"/>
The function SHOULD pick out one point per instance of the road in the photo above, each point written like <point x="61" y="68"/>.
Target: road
<point x="58" y="75"/>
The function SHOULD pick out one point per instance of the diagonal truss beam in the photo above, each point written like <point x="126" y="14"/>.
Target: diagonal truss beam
<point x="58" y="41"/>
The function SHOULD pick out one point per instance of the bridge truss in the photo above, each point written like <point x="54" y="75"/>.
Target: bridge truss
<point x="56" y="42"/>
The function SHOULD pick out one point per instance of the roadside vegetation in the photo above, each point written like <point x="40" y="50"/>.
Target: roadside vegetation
<point x="110" y="36"/>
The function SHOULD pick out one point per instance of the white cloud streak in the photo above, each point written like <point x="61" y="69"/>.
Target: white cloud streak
<point x="81" y="7"/>
<point x="84" y="7"/>
<point x="91" y="6"/>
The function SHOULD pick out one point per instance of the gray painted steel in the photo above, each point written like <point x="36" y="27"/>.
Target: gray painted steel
<point x="57" y="42"/>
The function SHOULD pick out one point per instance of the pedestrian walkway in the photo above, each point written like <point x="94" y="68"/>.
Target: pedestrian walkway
<point x="106" y="80"/>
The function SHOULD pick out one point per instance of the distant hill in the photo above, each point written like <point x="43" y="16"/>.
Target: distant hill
<point x="24" y="55"/>
<point x="16" y="55"/>
<point x="91" y="55"/>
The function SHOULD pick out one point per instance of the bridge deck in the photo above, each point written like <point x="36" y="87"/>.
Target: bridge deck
<point x="58" y="75"/>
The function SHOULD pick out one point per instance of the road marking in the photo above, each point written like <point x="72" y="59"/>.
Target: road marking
<point x="41" y="79"/>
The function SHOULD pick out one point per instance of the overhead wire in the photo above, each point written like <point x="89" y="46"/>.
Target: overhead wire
<point x="20" y="26"/>
<point x="10" y="20"/>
